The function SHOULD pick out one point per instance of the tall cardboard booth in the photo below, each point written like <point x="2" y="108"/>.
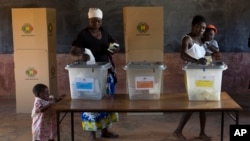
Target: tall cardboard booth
<point x="143" y="33"/>
<point x="34" y="39"/>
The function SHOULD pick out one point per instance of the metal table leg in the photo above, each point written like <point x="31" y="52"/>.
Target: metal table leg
<point x="58" y="125"/>
<point x="237" y="117"/>
<point x="222" y="126"/>
<point x="72" y="126"/>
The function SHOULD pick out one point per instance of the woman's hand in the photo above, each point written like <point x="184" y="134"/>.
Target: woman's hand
<point x="85" y="57"/>
<point x="202" y="61"/>
<point x="76" y="53"/>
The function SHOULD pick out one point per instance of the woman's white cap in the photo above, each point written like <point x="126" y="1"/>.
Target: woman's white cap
<point x="95" y="13"/>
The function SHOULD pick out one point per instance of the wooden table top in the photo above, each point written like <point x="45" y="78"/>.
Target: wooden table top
<point x="167" y="103"/>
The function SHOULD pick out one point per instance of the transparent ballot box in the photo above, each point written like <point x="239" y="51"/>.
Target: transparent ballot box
<point x="144" y="79"/>
<point x="203" y="82"/>
<point x="88" y="81"/>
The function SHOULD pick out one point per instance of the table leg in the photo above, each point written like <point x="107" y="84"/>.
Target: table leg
<point x="237" y="117"/>
<point x="72" y="126"/>
<point x="58" y="125"/>
<point x="222" y="126"/>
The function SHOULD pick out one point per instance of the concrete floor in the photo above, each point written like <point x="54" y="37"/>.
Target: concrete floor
<point x="17" y="127"/>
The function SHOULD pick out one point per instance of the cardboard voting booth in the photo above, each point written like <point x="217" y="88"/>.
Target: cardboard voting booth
<point x="143" y="33"/>
<point x="34" y="39"/>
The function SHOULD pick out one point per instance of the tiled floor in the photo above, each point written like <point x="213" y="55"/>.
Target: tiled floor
<point x="17" y="127"/>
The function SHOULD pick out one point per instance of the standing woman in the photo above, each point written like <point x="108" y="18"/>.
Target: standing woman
<point x="193" y="51"/>
<point x="97" y="40"/>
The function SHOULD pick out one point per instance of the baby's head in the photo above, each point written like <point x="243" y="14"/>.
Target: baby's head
<point x="210" y="32"/>
<point x="211" y="27"/>
<point x="41" y="91"/>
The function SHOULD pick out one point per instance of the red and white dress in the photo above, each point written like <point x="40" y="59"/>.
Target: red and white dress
<point x="43" y="123"/>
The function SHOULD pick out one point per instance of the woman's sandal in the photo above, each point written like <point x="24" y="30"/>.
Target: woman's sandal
<point x="204" y="137"/>
<point x="109" y="135"/>
<point x="92" y="136"/>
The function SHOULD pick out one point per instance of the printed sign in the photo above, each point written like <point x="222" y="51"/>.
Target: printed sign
<point x="204" y="81"/>
<point x="144" y="82"/>
<point x="84" y="84"/>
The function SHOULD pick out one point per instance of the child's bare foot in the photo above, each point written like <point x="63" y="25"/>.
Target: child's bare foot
<point x="204" y="137"/>
<point x="179" y="136"/>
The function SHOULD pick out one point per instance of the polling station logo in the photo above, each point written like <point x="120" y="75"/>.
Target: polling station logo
<point x="27" y="28"/>
<point x="53" y="72"/>
<point x="142" y="27"/>
<point x="50" y="28"/>
<point x="31" y="73"/>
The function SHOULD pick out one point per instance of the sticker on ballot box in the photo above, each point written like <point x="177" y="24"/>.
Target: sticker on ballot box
<point x="204" y="81"/>
<point x="84" y="84"/>
<point x="144" y="82"/>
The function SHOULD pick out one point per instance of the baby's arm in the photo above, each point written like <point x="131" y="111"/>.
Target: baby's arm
<point x="41" y="109"/>
<point x="213" y="49"/>
<point x="60" y="98"/>
<point x="213" y="46"/>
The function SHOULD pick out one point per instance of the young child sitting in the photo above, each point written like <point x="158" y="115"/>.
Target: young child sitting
<point x="43" y="115"/>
